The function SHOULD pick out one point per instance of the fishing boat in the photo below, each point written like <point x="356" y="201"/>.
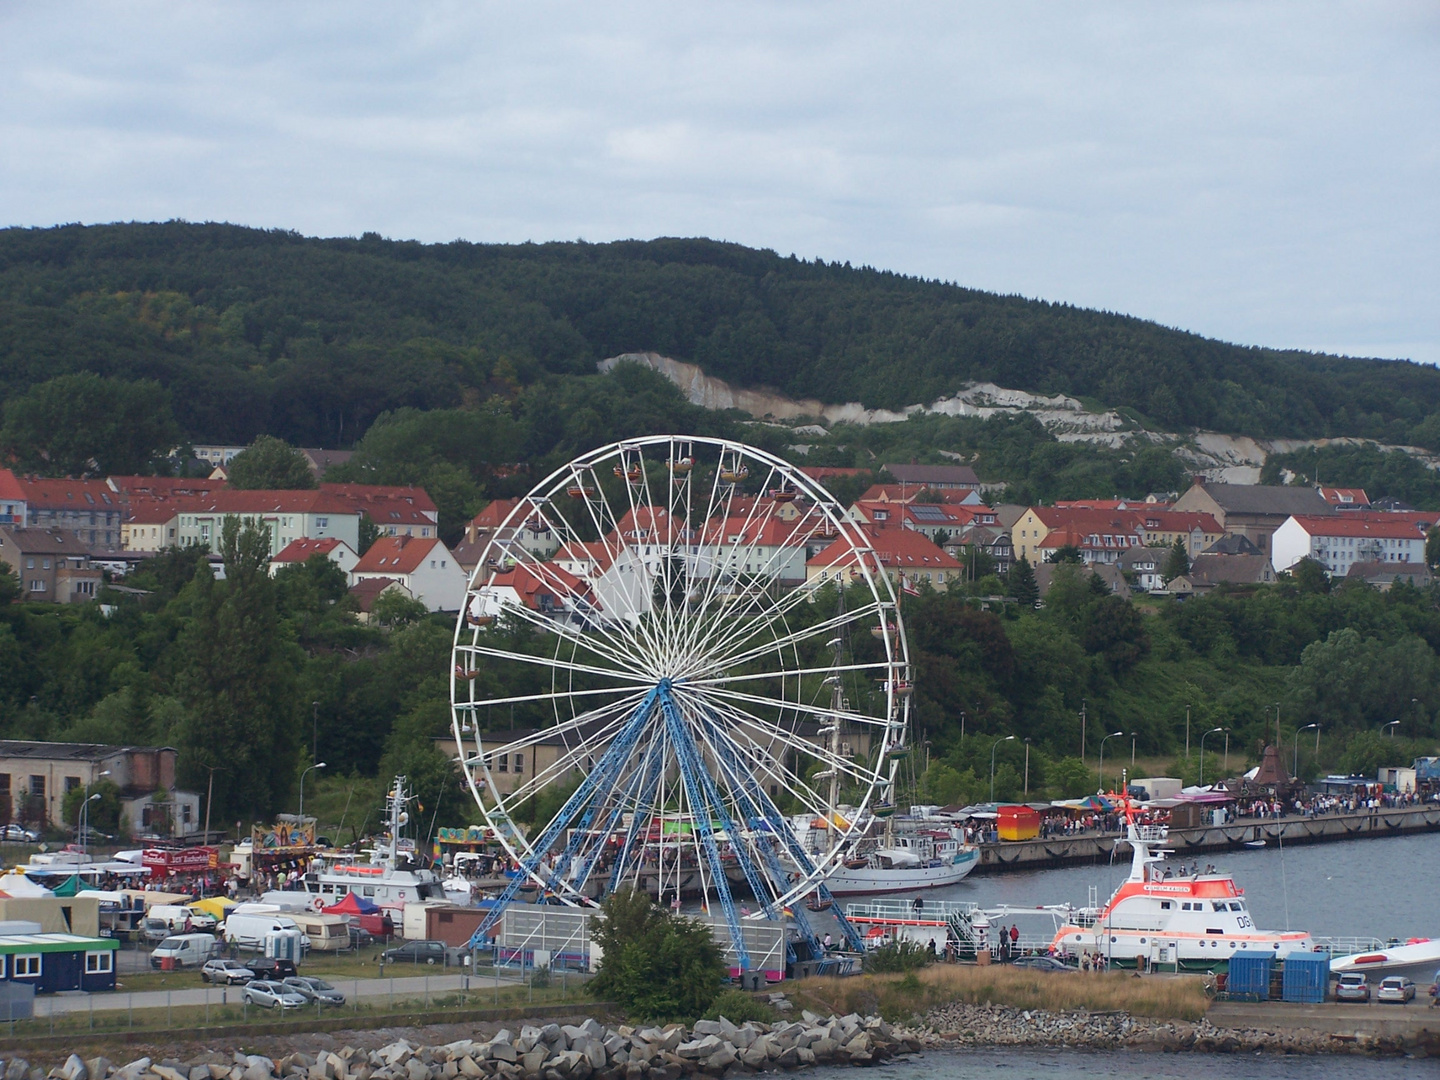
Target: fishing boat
<point x="906" y="860"/>
<point x="1192" y="921"/>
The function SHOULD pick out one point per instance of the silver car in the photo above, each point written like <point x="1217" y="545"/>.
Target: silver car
<point x="315" y="990"/>
<point x="272" y="995"/>
<point x="225" y="971"/>
<point x="1396" y="989"/>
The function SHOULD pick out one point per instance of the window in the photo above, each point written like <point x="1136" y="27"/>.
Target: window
<point x="519" y="762"/>
<point x="322" y="522"/>
<point x="29" y="564"/>
<point x="2" y="965"/>
<point x="37" y="585"/>
<point x="98" y="963"/>
<point x="44" y="564"/>
<point x="27" y="966"/>
<point x="504" y="762"/>
<point x="71" y="783"/>
<point x="37" y="786"/>
<point x="5" y="783"/>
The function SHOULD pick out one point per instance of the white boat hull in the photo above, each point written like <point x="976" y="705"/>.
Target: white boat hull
<point x="867" y="880"/>
<point x="1419" y="961"/>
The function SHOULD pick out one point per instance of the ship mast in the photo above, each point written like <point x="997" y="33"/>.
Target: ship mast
<point x="395" y="800"/>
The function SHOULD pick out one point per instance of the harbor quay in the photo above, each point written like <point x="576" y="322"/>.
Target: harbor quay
<point x="998" y="858"/>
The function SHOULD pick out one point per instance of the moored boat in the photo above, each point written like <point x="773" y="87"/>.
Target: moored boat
<point x="1418" y="958"/>
<point x="906" y="861"/>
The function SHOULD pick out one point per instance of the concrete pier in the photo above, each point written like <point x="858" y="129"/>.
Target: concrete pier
<point x="1096" y="848"/>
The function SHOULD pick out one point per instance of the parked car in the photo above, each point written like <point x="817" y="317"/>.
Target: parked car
<point x="360" y="938"/>
<point x="156" y="930"/>
<point x="1352" y="987"/>
<point x="272" y="995"/>
<point x="228" y="972"/>
<point x="272" y="970"/>
<point x="185" y="950"/>
<point x="18" y="834"/>
<point x="1396" y="989"/>
<point x="315" y="990"/>
<point x="1040" y="963"/>
<point x="416" y="952"/>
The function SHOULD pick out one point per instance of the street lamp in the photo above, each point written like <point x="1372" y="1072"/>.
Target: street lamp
<point x="1212" y="731"/>
<point x="1295" y="768"/>
<point x="1027" y="770"/>
<point x="1103" y="741"/>
<point x="85" y="823"/>
<point x="1007" y="738"/>
<point x="317" y="765"/>
<point x="1390" y="727"/>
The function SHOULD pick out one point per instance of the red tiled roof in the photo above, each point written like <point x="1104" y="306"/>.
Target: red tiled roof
<point x="530" y="584"/>
<point x="68" y="494"/>
<point x="1399" y="526"/>
<point x="900" y="548"/>
<point x="300" y="550"/>
<point x="161" y="487"/>
<point x="396" y="555"/>
<point x="10" y="486"/>
<point x="1344" y="496"/>
<point x="761" y="531"/>
<point x="493" y="516"/>
<point x="381" y="493"/>
<point x="144" y="511"/>
<point x="367" y="590"/>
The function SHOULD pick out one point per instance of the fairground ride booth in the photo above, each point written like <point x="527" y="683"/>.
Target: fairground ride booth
<point x="286" y="846"/>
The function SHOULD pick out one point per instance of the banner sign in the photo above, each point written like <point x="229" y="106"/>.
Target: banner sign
<point x="283" y="836"/>
<point x="185" y="861"/>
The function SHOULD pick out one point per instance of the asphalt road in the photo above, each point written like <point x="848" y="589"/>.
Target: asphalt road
<point x="407" y="988"/>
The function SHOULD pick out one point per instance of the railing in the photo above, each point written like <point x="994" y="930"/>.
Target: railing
<point x="1348" y="946"/>
<point x="1151" y="834"/>
<point x="899" y="910"/>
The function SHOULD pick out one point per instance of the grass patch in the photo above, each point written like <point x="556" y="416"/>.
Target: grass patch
<point x="1163" y="997"/>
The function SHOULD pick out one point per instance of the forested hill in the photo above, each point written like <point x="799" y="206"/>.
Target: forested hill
<point x="310" y="339"/>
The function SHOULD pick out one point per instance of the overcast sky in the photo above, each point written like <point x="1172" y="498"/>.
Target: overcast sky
<point x="1263" y="173"/>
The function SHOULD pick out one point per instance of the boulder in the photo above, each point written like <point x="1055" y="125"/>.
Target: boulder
<point x="532" y="1061"/>
<point x="98" y="1067"/>
<point x="721" y="1059"/>
<point x="552" y="1036"/>
<point x="74" y="1069"/>
<point x="502" y="1051"/>
<point x="824" y="1048"/>
<point x="753" y="1056"/>
<point x="706" y="1027"/>
<point x="415" y="1069"/>
<point x="699" y="1048"/>
<point x="529" y="1036"/>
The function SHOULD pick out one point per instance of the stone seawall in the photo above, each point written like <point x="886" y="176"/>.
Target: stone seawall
<point x="1065" y="851"/>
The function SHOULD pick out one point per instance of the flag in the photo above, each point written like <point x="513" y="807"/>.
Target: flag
<point x="907" y="587"/>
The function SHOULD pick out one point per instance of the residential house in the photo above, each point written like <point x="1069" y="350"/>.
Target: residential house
<point x="994" y="540"/>
<point x="1163" y="527"/>
<point x="321" y="460"/>
<point x="1252" y="510"/>
<point x="300" y="551"/>
<point x="1232" y="545"/>
<point x="130" y="488"/>
<point x="424" y="566"/>
<point x="287" y="515"/>
<point x="1384" y="575"/>
<point x="217" y="455"/>
<point x="737" y="547"/>
<point x="12" y="500"/>
<point x="50" y="565"/>
<point x="35" y="777"/>
<point x="530" y="533"/>
<point x="365" y="592"/>
<point x="1338" y="540"/>
<point x="394" y="510"/>
<point x="903" y="555"/>
<point x="150" y="524"/>
<point x="939" y="477"/>
<point x="1345" y="498"/>
<point x="542" y="588"/>
<point x="1150" y="502"/>
<point x="1107" y="572"/>
<point x="1145" y="566"/>
<point x="87" y="508"/>
<point x="1211" y="571"/>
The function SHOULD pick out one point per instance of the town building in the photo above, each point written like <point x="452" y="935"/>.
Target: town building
<point x="993" y="540"/>
<point x="531" y="533"/>
<point x="1251" y="510"/>
<point x="367" y="591"/>
<point x="1385" y="575"/>
<point x="939" y="477"/>
<point x="35" y="777"/>
<point x="287" y="515"/>
<point x="150" y="524"/>
<point x="906" y="557"/>
<point x="424" y="566"/>
<point x="1110" y="574"/>
<point x="1336" y="541"/>
<point x="50" y="564"/>
<point x="394" y="510"/>
<point x="298" y="552"/>
<point x="321" y="460"/>
<point x="1345" y="498"/>
<point x="12" y="500"/>
<point x="216" y="456"/>
<point x="87" y="508"/>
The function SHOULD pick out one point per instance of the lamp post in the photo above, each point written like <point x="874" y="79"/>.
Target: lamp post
<point x="1027" y="770"/>
<point x="1082" y="731"/>
<point x="1295" y="768"/>
<point x="210" y="795"/>
<point x="1390" y="728"/>
<point x="1132" y="753"/>
<point x="1103" y="741"/>
<point x="317" y="765"/>
<point x="1212" y="731"/>
<point x="85" y="823"/>
<point x="1187" y="732"/>
<point x="314" y="730"/>
<point x="995" y="747"/>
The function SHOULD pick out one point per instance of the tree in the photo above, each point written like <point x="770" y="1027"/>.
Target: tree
<point x="1177" y="562"/>
<point x="237" y="681"/>
<point x="104" y="812"/>
<point x="9" y="585"/>
<point x="655" y="965"/>
<point x="82" y="423"/>
<point x="1065" y="553"/>
<point x="1432" y="548"/>
<point x="270" y="463"/>
<point x="1310" y="576"/>
<point x="1022" y="583"/>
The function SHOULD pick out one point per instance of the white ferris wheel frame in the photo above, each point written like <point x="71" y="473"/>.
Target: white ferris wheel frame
<point x="689" y="658"/>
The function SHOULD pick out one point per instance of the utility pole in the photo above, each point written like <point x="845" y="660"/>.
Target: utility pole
<point x="315" y="731"/>
<point x="1082" y="731"/>
<point x="209" y="796"/>
<point x="1027" y="770"/>
<point x="1187" y="732"/>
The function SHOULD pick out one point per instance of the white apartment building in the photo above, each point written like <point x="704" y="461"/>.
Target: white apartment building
<point x="1338" y="541"/>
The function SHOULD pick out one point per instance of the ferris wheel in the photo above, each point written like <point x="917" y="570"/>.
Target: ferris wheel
<point x="680" y="667"/>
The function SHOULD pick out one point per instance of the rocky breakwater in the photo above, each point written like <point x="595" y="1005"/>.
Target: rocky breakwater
<point x="589" y="1051"/>
<point x="958" y="1024"/>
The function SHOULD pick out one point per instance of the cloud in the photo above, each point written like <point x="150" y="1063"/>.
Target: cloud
<point x="1263" y="173"/>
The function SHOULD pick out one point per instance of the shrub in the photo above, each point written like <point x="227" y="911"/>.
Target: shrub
<point x="656" y="966"/>
<point x="899" y="955"/>
<point x="738" y="1007"/>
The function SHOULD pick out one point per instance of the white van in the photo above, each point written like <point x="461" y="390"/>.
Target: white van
<point x="174" y="916"/>
<point x="247" y="929"/>
<point x="186" y="950"/>
<point x="327" y="933"/>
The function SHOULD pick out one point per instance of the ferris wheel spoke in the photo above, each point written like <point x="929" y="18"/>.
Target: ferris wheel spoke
<point x="567" y="763"/>
<point x="606" y="647"/>
<point x="547" y="696"/>
<point x="789" y="673"/>
<point x="633" y="679"/>
<point x="820" y="712"/>
<point x="833" y="624"/>
<point x="622" y="555"/>
<point x="574" y="725"/>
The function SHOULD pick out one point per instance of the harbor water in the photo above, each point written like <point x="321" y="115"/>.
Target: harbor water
<point x="1380" y="887"/>
<point x="1069" y="1064"/>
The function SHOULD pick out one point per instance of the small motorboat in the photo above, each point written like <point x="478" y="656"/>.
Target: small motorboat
<point x="819" y="903"/>
<point x="1254" y="843"/>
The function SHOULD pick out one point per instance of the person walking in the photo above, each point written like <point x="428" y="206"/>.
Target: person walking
<point x="1014" y="940"/>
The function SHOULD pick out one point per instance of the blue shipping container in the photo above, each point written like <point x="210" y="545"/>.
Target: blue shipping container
<point x="1250" y="973"/>
<point x="1307" y="977"/>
